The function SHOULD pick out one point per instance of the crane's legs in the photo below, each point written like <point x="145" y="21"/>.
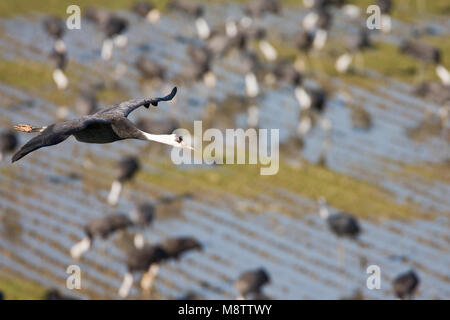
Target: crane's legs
<point x="127" y="283"/>
<point x="148" y="277"/>
<point x="28" y="128"/>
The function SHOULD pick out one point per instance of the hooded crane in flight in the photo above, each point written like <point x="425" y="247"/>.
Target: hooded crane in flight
<point x="105" y="126"/>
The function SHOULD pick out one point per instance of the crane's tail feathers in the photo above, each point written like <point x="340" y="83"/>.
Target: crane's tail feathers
<point x="28" y="128"/>
<point x="169" y="97"/>
<point x="45" y="139"/>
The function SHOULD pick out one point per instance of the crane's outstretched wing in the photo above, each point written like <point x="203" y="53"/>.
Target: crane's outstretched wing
<point x="125" y="108"/>
<point x="54" y="134"/>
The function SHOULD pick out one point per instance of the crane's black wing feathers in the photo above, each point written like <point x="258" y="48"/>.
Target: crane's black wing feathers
<point x="125" y="108"/>
<point x="54" y="134"/>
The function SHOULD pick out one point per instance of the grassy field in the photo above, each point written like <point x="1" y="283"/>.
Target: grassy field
<point x="311" y="181"/>
<point x="16" y="287"/>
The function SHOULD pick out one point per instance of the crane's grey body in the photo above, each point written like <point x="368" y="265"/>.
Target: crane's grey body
<point x="105" y="126"/>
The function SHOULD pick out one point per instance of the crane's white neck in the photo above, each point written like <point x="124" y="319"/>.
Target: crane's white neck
<point x="209" y="79"/>
<point x="107" y="49"/>
<point x="161" y="138"/>
<point x="310" y="21"/>
<point x="303" y="98"/>
<point x="79" y="248"/>
<point x="60" y="46"/>
<point x="343" y="62"/>
<point x="320" y="39"/>
<point x="114" y="194"/>
<point x="169" y="139"/>
<point x="270" y="53"/>
<point x="386" y="23"/>
<point x="202" y="28"/>
<point x="323" y="210"/>
<point x="251" y="85"/>
<point x="231" y="28"/>
<point x="304" y="125"/>
<point x="443" y="74"/>
<point x="120" y="40"/>
<point x="60" y="79"/>
<point x="139" y="240"/>
<point x="153" y="16"/>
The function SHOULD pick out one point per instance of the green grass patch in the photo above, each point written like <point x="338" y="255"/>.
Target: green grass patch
<point x="15" y="287"/>
<point x="58" y="7"/>
<point x="430" y="171"/>
<point x="310" y="181"/>
<point x="35" y="78"/>
<point x="384" y="58"/>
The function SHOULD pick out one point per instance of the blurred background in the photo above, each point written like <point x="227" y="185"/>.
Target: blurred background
<point x="363" y="119"/>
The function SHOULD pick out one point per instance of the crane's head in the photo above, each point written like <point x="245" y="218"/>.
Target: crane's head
<point x="180" y="143"/>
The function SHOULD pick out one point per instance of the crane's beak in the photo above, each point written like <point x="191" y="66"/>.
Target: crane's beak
<point x="182" y="143"/>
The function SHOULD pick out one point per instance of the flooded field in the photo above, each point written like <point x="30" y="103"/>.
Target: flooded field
<point x="397" y="186"/>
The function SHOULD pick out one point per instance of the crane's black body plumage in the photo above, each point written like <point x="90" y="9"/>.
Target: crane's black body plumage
<point x="304" y="40"/>
<point x="54" y="294"/>
<point x="187" y="7"/>
<point x="126" y="168"/>
<point x="143" y="215"/>
<point x="172" y="248"/>
<point x="385" y="6"/>
<point x="257" y="8"/>
<point x="421" y="51"/>
<point x="105" y="126"/>
<point x="344" y="225"/>
<point x="58" y="59"/>
<point x="142" y="8"/>
<point x="318" y="99"/>
<point x="251" y="282"/>
<point x="54" y="26"/>
<point x="405" y="284"/>
<point x="285" y="71"/>
<point x="176" y="247"/>
<point x="105" y="226"/>
<point x="140" y="260"/>
<point x="149" y="69"/>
